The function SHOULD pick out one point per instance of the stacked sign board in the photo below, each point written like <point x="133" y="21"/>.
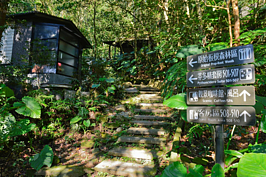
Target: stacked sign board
<point x="222" y="76"/>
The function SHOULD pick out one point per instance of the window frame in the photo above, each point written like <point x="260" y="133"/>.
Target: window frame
<point x="55" y="49"/>
<point x="76" y="68"/>
<point x="60" y="29"/>
<point x="4" y="36"/>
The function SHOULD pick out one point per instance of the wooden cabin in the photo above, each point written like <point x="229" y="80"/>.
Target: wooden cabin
<point x="127" y="46"/>
<point x="52" y="46"/>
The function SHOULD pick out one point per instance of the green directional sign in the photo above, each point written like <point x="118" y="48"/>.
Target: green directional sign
<point x="237" y="115"/>
<point x="242" y="95"/>
<point x="222" y="76"/>
<point x="220" y="58"/>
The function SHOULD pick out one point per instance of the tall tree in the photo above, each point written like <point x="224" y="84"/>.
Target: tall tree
<point x="237" y="21"/>
<point x="3" y="12"/>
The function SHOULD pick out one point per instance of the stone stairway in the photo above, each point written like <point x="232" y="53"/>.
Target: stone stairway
<point x="144" y="142"/>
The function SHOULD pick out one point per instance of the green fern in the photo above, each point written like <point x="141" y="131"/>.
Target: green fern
<point x="197" y="131"/>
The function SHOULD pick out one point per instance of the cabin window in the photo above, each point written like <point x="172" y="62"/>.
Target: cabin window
<point x="44" y="48"/>
<point x="58" y="49"/>
<point x="68" y="54"/>
<point x="6" y="46"/>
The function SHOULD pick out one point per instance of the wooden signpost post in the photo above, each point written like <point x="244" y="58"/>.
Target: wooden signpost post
<point x="223" y="96"/>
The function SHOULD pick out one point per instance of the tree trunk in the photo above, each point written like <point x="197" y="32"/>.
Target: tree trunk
<point x="165" y="11"/>
<point x="94" y="26"/>
<point x="199" y="12"/>
<point x="229" y="22"/>
<point x="187" y="7"/>
<point x="237" y="21"/>
<point x="3" y="12"/>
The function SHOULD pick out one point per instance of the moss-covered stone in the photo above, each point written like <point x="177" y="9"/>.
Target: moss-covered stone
<point x="62" y="171"/>
<point x="112" y="125"/>
<point x="174" y="157"/>
<point x="86" y="144"/>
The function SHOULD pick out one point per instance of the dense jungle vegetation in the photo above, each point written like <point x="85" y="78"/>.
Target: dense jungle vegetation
<point x="174" y="29"/>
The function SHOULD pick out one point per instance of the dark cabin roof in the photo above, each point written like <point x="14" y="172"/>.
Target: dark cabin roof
<point x="45" y="18"/>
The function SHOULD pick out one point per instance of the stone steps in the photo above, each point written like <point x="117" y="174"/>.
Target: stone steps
<point x="120" y="168"/>
<point x="131" y="90"/>
<point x="135" y="90"/>
<point x="150" y="105"/>
<point x="142" y="100"/>
<point x="145" y="88"/>
<point x="153" y="136"/>
<point x="150" y="110"/>
<point x="150" y="92"/>
<point x="149" y="117"/>
<point x="149" y="95"/>
<point x="133" y="153"/>
<point x="146" y="131"/>
<point x="149" y="123"/>
<point x="141" y="140"/>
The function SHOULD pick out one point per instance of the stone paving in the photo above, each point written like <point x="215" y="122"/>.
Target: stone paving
<point x="148" y="131"/>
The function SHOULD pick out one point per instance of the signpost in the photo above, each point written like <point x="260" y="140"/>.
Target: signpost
<point x="241" y="95"/>
<point x="226" y="57"/>
<point x="226" y="115"/>
<point x="222" y="76"/>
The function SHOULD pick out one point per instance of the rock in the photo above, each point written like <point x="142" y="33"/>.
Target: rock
<point x="85" y="144"/>
<point x="119" y="168"/>
<point x="174" y="157"/>
<point x="119" y="129"/>
<point x="131" y="90"/>
<point x="144" y="140"/>
<point x="146" y="131"/>
<point x="133" y="153"/>
<point x="123" y="114"/>
<point x="111" y="125"/>
<point x="127" y="84"/>
<point x="88" y="171"/>
<point x="120" y="108"/>
<point x="62" y="171"/>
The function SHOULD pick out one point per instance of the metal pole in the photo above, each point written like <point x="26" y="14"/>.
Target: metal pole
<point x="219" y="145"/>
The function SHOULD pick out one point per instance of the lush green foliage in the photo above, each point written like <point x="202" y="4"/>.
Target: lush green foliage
<point x="177" y="102"/>
<point x="45" y="157"/>
<point x="252" y="164"/>
<point x="9" y="125"/>
<point x="28" y="107"/>
<point x="173" y="30"/>
<point x="178" y="169"/>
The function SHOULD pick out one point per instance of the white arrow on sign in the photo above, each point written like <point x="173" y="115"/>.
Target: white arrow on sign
<point x="245" y="113"/>
<point x="191" y="62"/>
<point x="245" y="94"/>
<point x="191" y="79"/>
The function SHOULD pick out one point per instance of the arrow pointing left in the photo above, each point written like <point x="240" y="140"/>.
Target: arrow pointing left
<point x="191" y="79"/>
<point x="245" y="113"/>
<point x="191" y="62"/>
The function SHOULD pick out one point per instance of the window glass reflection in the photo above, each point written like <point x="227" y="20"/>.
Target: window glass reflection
<point x="66" y="36"/>
<point x="46" y="65"/>
<point x="68" y="48"/>
<point x="67" y="59"/>
<point x="50" y="44"/>
<point x="44" y="31"/>
<point x="64" y="69"/>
